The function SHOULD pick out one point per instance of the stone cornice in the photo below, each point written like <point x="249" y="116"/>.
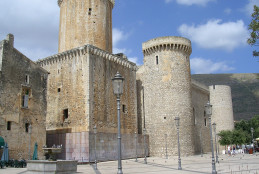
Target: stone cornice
<point x="60" y="1"/>
<point x="90" y="50"/>
<point x="167" y="43"/>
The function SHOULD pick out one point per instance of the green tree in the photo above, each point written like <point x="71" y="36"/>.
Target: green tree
<point x="254" y="30"/>
<point x="254" y="123"/>
<point x="225" y="137"/>
<point x="238" y="137"/>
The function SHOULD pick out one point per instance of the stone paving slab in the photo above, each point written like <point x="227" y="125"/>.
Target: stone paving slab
<point x="238" y="164"/>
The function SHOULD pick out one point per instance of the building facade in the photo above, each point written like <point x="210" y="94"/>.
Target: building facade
<point x="78" y="93"/>
<point x="23" y="102"/>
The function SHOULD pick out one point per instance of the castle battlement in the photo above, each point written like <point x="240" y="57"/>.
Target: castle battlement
<point x="167" y="43"/>
<point x="122" y="60"/>
<point x="60" y="1"/>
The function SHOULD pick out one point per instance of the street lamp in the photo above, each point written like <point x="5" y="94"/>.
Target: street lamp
<point x="177" y="124"/>
<point x="136" y="145"/>
<point x="166" y="155"/>
<point x="214" y="128"/>
<point x="29" y="131"/>
<point x="208" y="110"/>
<point x="95" y="156"/>
<point x="117" y="82"/>
<point x="145" y="146"/>
<point x="201" y="141"/>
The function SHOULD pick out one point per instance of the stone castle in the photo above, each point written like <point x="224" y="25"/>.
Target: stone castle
<point x="65" y="95"/>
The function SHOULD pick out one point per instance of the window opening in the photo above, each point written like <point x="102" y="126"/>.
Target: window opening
<point x="157" y="60"/>
<point x="27" y="79"/>
<point x="124" y="108"/>
<point x="59" y="89"/>
<point x="65" y="114"/>
<point x="27" y="127"/>
<point x="25" y="98"/>
<point x="9" y="125"/>
<point x="194" y="116"/>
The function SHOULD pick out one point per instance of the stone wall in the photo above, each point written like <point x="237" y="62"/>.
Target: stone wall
<point x="102" y="99"/>
<point x="85" y="22"/>
<point x="80" y="146"/>
<point x="68" y="100"/>
<point x="80" y="81"/>
<point x="200" y="96"/>
<point x="19" y="77"/>
<point x="222" y="108"/>
<point x="167" y="94"/>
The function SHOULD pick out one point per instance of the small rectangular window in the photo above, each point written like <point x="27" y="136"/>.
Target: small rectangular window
<point x="157" y="60"/>
<point x="26" y="92"/>
<point x="65" y="114"/>
<point x="27" y="79"/>
<point x="59" y="89"/>
<point x="9" y="125"/>
<point x="124" y="108"/>
<point x="25" y="100"/>
<point x="27" y="127"/>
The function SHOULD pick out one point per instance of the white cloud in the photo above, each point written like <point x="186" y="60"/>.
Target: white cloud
<point x="119" y="36"/>
<point x="168" y="1"/>
<point x="217" y="35"/>
<point x="206" y="66"/>
<point x="191" y="2"/>
<point x="33" y="26"/>
<point x="249" y="8"/>
<point x="133" y="59"/>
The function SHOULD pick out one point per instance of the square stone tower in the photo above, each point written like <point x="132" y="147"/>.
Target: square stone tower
<point x="85" y="22"/>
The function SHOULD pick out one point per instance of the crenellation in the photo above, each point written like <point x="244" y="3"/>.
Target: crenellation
<point x="82" y="50"/>
<point x="168" y="47"/>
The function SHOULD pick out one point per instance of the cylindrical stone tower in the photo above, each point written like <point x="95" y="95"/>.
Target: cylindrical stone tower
<point x="85" y="22"/>
<point x="167" y="86"/>
<point x="222" y="108"/>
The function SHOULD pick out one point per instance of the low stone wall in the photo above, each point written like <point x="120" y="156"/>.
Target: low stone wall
<point x="80" y="146"/>
<point x="51" y="167"/>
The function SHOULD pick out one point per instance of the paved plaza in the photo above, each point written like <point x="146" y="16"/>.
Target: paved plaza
<point x="238" y="164"/>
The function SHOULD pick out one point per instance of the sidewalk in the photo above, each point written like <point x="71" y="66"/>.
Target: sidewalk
<point x="238" y="164"/>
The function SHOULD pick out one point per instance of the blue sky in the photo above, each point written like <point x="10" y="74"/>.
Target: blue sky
<point x="216" y="28"/>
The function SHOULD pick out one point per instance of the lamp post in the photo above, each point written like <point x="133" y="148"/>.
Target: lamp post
<point x="136" y="145"/>
<point x="166" y="156"/>
<point x="177" y="124"/>
<point x="214" y="128"/>
<point x="29" y="130"/>
<point x="252" y="131"/>
<point x="117" y="82"/>
<point x="201" y="141"/>
<point x="95" y="156"/>
<point x="208" y="110"/>
<point x="145" y="146"/>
